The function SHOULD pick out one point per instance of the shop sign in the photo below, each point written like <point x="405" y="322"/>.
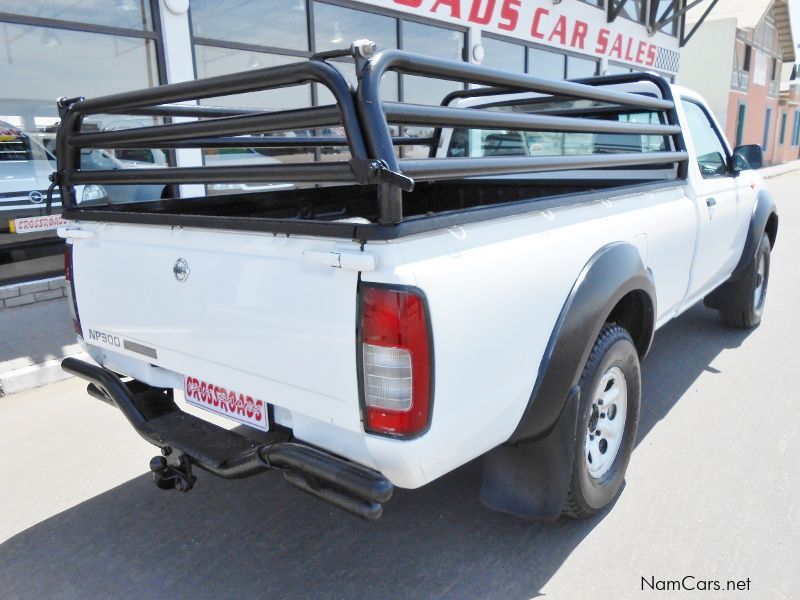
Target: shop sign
<point x="572" y="25"/>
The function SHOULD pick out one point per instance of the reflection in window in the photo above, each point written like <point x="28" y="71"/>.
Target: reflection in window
<point x="670" y="28"/>
<point x="432" y="41"/>
<point x="77" y="64"/>
<point x="616" y="69"/>
<point x="503" y="55"/>
<point x="280" y="24"/>
<point x="480" y="142"/>
<point x="631" y="9"/>
<point x="129" y="14"/>
<point x="211" y="61"/>
<point x="389" y="89"/>
<point x="580" y="67"/>
<point x="545" y="64"/>
<point x="336" y="27"/>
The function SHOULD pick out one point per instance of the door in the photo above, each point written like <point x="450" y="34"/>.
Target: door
<point x="717" y="203"/>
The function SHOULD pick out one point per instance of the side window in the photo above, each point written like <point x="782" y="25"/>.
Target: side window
<point x="710" y="152"/>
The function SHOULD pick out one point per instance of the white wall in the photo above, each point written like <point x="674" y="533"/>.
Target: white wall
<point x="707" y="64"/>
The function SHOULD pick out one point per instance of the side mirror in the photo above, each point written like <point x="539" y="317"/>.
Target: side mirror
<point x="747" y="157"/>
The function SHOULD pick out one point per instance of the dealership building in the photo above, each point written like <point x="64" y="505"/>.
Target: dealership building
<point x="58" y="48"/>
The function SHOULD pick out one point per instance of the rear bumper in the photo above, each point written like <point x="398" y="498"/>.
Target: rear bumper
<point x="186" y="441"/>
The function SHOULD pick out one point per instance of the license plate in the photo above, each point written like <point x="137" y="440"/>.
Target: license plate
<point x="226" y="402"/>
<point x="29" y="224"/>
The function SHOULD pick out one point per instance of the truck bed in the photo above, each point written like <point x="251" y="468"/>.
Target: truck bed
<point x="351" y="211"/>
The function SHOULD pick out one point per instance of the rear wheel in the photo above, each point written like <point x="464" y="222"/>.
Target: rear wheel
<point x="607" y="421"/>
<point x="753" y="295"/>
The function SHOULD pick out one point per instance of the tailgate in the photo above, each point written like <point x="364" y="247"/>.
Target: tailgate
<point x="253" y="314"/>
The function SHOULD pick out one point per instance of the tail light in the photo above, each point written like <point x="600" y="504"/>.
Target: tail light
<point x="396" y="361"/>
<point x="68" y="271"/>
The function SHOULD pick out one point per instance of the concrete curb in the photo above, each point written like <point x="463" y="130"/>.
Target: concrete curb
<point x="33" y="376"/>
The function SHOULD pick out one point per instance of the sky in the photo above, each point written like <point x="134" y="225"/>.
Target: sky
<point x="794" y="10"/>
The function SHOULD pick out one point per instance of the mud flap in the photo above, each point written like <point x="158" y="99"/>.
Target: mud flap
<point x="531" y="479"/>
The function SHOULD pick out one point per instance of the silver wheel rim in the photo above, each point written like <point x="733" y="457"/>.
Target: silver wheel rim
<point x="606" y="422"/>
<point x="758" y="293"/>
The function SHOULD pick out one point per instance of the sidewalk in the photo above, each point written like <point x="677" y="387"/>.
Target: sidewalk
<point x="33" y="340"/>
<point x="781" y="169"/>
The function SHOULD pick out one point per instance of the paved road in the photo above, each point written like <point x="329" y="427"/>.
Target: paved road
<point x="711" y="493"/>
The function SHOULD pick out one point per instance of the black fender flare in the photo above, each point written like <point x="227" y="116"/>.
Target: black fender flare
<point x="764" y="220"/>
<point x="613" y="272"/>
<point x="529" y="475"/>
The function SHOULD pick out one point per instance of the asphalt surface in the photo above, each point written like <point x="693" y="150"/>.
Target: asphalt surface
<point x="711" y="493"/>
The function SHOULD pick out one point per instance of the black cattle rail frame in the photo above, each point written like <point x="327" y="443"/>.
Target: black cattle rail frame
<point x="366" y="120"/>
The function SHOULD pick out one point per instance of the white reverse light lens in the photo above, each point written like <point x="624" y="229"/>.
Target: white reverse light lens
<point x="93" y="192"/>
<point x="387" y="377"/>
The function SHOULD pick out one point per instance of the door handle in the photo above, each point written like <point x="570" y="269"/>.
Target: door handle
<point x="710" y="202"/>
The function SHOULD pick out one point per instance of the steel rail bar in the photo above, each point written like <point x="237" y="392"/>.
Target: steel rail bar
<point x="73" y="111"/>
<point x="266" y="142"/>
<point x="188" y="110"/>
<point x="310" y="172"/>
<point x="399" y="113"/>
<point x="266" y="121"/>
<point x="379" y="143"/>
<point x="450" y="168"/>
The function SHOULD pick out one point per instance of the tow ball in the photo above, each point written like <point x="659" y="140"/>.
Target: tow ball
<point x="172" y="477"/>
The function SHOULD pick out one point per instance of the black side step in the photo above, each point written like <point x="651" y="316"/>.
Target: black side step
<point x="186" y="440"/>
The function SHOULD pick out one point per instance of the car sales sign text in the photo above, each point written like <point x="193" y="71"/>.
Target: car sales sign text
<point x="568" y="25"/>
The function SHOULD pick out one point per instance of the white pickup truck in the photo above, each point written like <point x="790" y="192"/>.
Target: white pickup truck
<point x="392" y="318"/>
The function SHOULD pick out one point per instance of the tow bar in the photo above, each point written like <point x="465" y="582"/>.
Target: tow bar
<point x="187" y="441"/>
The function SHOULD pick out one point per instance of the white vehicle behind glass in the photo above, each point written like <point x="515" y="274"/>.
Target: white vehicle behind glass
<point x="399" y="314"/>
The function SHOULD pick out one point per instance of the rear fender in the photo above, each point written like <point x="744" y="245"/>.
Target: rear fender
<point x="529" y="475"/>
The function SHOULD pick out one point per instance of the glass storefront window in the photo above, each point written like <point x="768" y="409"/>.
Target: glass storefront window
<point x="128" y="14"/>
<point x="580" y="67"/>
<point x="503" y="55"/>
<point x="616" y="69"/>
<point x="431" y="41"/>
<point x="40" y="64"/>
<point x="276" y="23"/>
<point x="336" y="27"/>
<point x="545" y="64"/>
<point x="633" y="10"/>
<point x="672" y="27"/>
<point x="211" y="61"/>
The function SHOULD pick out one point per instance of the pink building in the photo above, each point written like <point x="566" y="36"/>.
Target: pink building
<point x="736" y="61"/>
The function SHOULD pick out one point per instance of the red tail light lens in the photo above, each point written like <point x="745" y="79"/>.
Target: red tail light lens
<point x="73" y="307"/>
<point x="396" y="359"/>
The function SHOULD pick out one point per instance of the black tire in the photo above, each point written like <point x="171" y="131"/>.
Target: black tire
<point x="750" y="317"/>
<point x="589" y="494"/>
